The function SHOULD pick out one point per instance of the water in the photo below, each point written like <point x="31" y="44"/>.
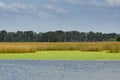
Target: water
<point x="59" y="70"/>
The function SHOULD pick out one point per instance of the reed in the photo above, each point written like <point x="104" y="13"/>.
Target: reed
<point x="17" y="48"/>
<point x="31" y="47"/>
<point x="112" y="47"/>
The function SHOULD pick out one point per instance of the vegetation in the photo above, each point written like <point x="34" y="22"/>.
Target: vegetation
<point x="118" y="39"/>
<point x="32" y="47"/>
<point x="61" y="55"/>
<point x="17" y="47"/>
<point x="57" y="36"/>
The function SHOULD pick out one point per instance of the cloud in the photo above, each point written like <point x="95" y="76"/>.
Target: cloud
<point x="46" y="11"/>
<point x="100" y="3"/>
<point x="73" y="2"/>
<point x="113" y="2"/>
<point x="45" y="15"/>
<point x="106" y="3"/>
<point x="55" y="9"/>
<point x="2" y="5"/>
<point x="15" y="7"/>
<point x="49" y="11"/>
<point x="20" y="7"/>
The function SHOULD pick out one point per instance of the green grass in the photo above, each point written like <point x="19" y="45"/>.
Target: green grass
<point x="61" y="55"/>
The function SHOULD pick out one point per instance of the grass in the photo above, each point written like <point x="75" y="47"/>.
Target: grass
<point x="17" y="47"/>
<point x="61" y="55"/>
<point x="60" y="51"/>
<point x="30" y="47"/>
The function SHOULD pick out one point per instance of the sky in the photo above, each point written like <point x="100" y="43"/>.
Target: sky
<point x="67" y="15"/>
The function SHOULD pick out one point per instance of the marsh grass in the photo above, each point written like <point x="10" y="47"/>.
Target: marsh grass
<point x="112" y="47"/>
<point x="17" y="48"/>
<point x="91" y="47"/>
<point x="31" y="47"/>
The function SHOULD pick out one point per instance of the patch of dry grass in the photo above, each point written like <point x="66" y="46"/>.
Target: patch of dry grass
<point x="17" y="47"/>
<point x="30" y="47"/>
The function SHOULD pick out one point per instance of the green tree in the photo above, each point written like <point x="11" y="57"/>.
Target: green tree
<point x="3" y="35"/>
<point x="118" y="39"/>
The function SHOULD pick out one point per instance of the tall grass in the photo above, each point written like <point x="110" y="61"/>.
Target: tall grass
<point x="112" y="47"/>
<point x="17" y="48"/>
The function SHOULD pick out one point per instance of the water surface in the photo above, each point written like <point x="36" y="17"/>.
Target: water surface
<point x="59" y="70"/>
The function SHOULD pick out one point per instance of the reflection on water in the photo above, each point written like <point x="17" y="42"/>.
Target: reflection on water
<point x="59" y="70"/>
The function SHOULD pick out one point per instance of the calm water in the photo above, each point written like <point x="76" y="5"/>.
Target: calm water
<point x="59" y="70"/>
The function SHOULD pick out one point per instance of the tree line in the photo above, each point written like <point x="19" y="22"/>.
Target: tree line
<point x="57" y="36"/>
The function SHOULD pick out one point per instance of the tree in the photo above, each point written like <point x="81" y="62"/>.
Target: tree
<point x="3" y="35"/>
<point x="57" y="36"/>
<point x="19" y="36"/>
<point x="29" y="36"/>
<point x="118" y="39"/>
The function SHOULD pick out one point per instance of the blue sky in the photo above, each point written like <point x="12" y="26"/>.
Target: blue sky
<point x="66" y="15"/>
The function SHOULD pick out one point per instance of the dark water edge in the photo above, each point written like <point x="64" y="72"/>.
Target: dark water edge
<point x="59" y="70"/>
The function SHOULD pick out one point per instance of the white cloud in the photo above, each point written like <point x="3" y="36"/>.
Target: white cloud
<point x="113" y="2"/>
<point x="73" y="2"/>
<point x="55" y="9"/>
<point x="2" y="5"/>
<point x="44" y="15"/>
<point x="20" y="7"/>
<point x="50" y="11"/>
<point x="105" y="3"/>
<point x="44" y="12"/>
<point x="15" y="7"/>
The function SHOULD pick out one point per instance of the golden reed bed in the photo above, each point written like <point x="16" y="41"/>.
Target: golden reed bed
<point x="30" y="47"/>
